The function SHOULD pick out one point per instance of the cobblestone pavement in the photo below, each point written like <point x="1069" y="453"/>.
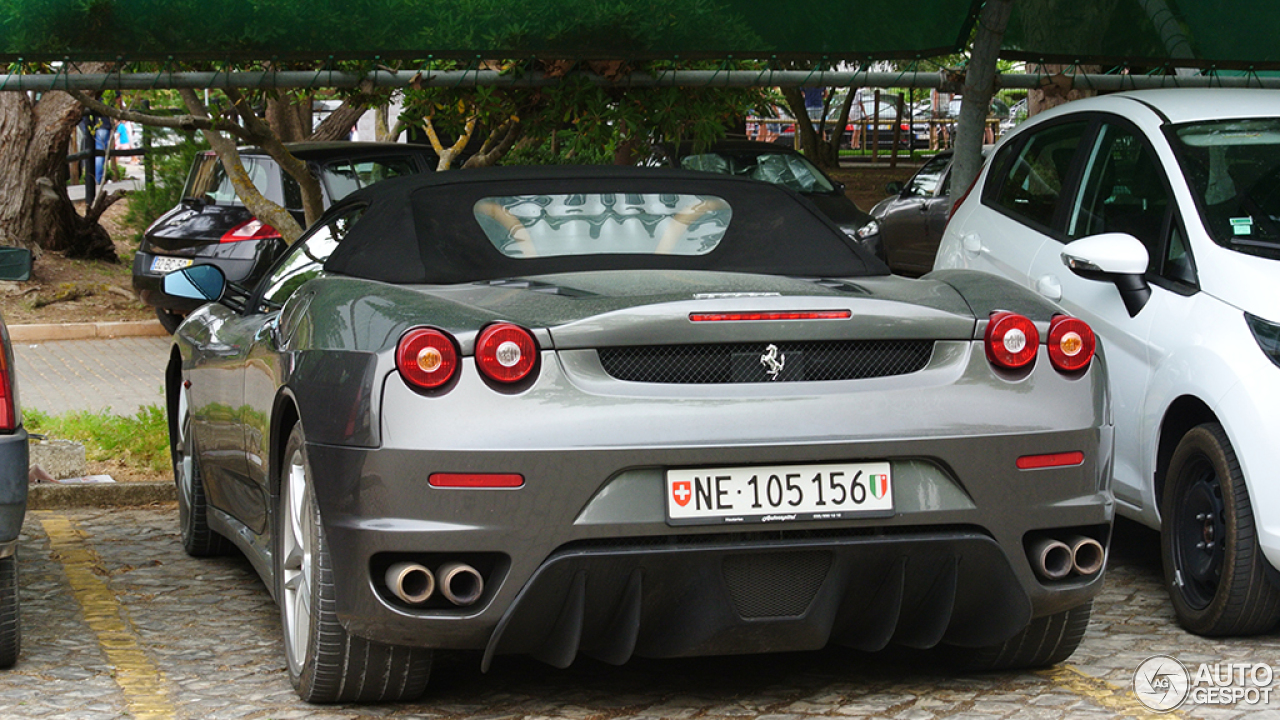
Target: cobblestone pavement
<point x="118" y="623"/>
<point x="119" y="374"/>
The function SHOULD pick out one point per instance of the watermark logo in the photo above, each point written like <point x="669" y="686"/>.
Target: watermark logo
<point x="1162" y="683"/>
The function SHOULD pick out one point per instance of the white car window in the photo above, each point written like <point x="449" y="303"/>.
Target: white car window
<point x="1033" y="178"/>
<point x="1123" y="191"/>
<point x="1233" y="166"/>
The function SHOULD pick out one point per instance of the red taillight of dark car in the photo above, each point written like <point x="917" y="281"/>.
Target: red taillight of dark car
<point x="1011" y="341"/>
<point x="1071" y="343"/>
<point x="506" y="353"/>
<point x="8" y="409"/>
<point x="426" y="358"/>
<point x="253" y="229"/>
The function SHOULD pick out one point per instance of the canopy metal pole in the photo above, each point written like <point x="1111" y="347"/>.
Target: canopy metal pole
<point x="943" y="80"/>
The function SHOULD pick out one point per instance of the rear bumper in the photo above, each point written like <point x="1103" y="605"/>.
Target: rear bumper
<point x="13" y="487"/>
<point x="575" y="564"/>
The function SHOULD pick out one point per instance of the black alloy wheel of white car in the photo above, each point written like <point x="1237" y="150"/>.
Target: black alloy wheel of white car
<point x="1214" y="569"/>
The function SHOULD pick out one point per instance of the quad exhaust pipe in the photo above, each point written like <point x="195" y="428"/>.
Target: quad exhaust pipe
<point x="1087" y="555"/>
<point x="460" y="583"/>
<point x="1054" y="559"/>
<point x="414" y="584"/>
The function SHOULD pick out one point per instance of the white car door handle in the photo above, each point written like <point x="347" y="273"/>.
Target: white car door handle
<point x="1050" y="287"/>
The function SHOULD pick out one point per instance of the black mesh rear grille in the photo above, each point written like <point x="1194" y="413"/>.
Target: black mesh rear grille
<point x="775" y="584"/>
<point x="756" y="362"/>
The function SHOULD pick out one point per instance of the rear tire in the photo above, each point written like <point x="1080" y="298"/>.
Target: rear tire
<point x="10" y="623"/>
<point x="326" y="664"/>
<point x="1214" y="570"/>
<point x="1046" y="641"/>
<point x="198" y="539"/>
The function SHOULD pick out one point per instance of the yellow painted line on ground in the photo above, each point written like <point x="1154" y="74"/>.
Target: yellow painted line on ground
<point x="144" y="687"/>
<point x="1119" y="700"/>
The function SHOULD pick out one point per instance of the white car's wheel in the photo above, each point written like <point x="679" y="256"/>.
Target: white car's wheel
<point x="198" y="539"/>
<point x="325" y="663"/>
<point x="1213" y="567"/>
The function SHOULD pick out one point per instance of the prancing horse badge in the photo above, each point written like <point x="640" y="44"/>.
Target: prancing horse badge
<point x="773" y="361"/>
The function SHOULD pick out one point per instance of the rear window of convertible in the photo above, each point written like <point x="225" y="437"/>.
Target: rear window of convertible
<point x="526" y="226"/>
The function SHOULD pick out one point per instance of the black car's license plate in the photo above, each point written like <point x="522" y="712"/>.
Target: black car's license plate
<point x="778" y="493"/>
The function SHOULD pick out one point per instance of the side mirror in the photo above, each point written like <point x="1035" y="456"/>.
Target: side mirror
<point x="1117" y="258"/>
<point x="198" y="282"/>
<point x="893" y="188"/>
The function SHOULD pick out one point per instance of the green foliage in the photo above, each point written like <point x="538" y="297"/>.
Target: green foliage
<point x="140" y="441"/>
<point x="578" y="120"/>
<point x="172" y="154"/>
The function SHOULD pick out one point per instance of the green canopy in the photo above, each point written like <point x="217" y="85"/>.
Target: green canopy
<point x="416" y="29"/>
<point x="1239" y="34"/>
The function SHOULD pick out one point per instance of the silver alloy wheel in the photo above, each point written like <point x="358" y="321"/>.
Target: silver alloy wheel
<point x="182" y="468"/>
<point x="296" y="560"/>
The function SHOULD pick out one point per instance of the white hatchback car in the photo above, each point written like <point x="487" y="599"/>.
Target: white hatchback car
<point x="1155" y="217"/>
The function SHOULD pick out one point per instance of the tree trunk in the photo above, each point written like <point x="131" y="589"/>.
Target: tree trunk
<point x="979" y="87"/>
<point x="804" y="126"/>
<point x="35" y="211"/>
<point x="291" y="121"/>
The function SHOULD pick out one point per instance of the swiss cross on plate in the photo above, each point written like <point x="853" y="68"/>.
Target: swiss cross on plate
<point x="682" y="492"/>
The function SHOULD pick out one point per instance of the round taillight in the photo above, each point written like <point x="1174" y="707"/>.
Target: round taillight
<point x="1012" y="340"/>
<point x="426" y="358"/>
<point x="1071" y="343"/>
<point x="506" y="353"/>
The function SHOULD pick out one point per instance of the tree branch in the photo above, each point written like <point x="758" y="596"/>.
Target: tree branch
<point x="312" y="199"/>
<point x="253" y="199"/>
<point x="187" y="123"/>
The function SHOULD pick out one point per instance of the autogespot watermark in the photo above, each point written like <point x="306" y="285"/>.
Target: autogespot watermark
<point x="1163" y="683"/>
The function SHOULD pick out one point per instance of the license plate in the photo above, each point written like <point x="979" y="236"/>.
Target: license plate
<point x="779" y="493"/>
<point x="162" y="264"/>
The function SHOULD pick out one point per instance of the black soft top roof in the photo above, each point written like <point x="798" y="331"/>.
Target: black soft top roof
<point x="422" y="228"/>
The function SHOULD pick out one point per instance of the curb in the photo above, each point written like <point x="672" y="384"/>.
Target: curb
<point x="85" y="331"/>
<point x="51" y="496"/>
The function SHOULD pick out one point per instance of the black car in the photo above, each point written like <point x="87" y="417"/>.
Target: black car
<point x="776" y="164"/>
<point x="210" y="224"/>
<point x="13" y="479"/>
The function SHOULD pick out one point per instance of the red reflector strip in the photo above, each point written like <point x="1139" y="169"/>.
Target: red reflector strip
<point x="756" y="316"/>
<point x="1033" y="462"/>
<point x="476" y="480"/>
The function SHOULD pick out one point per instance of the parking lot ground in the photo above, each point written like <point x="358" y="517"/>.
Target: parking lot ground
<point x="119" y="622"/>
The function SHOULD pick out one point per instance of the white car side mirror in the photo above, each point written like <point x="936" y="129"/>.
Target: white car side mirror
<point x="1117" y="258"/>
<point x="1110" y="253"/>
